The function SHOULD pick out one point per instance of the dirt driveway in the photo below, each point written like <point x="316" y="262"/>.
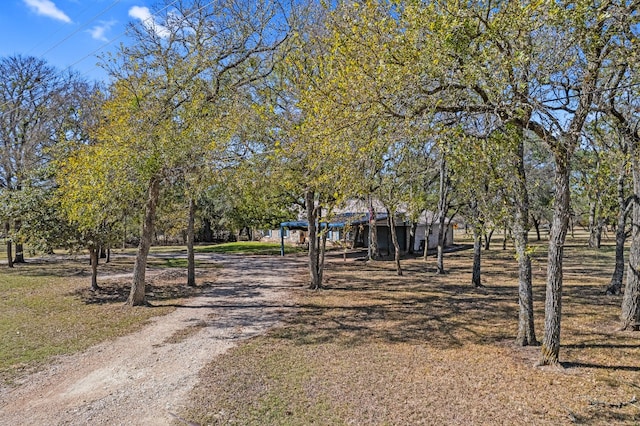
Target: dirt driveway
<point x="145" y="377"/>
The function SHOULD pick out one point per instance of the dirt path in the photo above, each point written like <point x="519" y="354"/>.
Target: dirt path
<point x="145" y="377"/>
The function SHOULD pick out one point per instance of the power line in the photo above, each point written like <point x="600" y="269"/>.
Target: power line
<point x="80" y="28"/>
<point x="150" y="18"/>
<point x="117" y="37"/>
<point x="55" y="33"/>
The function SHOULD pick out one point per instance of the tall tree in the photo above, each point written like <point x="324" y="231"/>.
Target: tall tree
<point x="183" y="72"/>
<point x="36" y="103"/>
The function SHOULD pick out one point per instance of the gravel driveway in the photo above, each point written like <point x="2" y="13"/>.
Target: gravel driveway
<point x="145" y="377"/>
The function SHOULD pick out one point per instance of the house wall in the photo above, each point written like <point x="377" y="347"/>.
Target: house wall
<point x="385" y="244"/>
<point x="291" y="236"/>
<point x="297" y="236"/>
<point x="433" y="236"/>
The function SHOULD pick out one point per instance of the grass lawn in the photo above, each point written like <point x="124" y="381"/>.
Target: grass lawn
<point x="375" y="348"/>
<point x="46" y="309"/>
<point x="249" y="247"/>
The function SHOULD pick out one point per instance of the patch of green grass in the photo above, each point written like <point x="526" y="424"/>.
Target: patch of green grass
<point x="179" y="263"/>
<point x="249" y="247"/>
<point x="39" y="318"/>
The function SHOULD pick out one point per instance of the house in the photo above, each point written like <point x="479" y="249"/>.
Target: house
<point x="350" y="226"/>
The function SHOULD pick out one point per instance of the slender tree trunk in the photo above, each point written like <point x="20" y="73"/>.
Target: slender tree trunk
<point x="601" y="224"/>
<point x="124" y="231"/>
<point x="477" y="257"/>
<point x="93" y="256"/>
<point x="487" y="240"/>
<point x="526" y="329"/>
<point x="19" y="258"/>
<point x="553" y="303"/>
<point x="137" y="293"/>
<point x="373" y="250"/>
<point x="394" y="240"/>
<point x="593" y="227"/>
<point x="412" y="237"/>
<point x="207" y="233"/>
<point x="427" y="232"/>
<point x="7" y="229"/>
<point x="312" y="219"/>
<point x="536" y="225"/>
<point x="630" y="315"/>
<point x="108" y="253"/>
<point x="615" y="286"/>
<point x="323" y="251"/>
<point x="191" y="261"/>
<point x="442" y="213"/>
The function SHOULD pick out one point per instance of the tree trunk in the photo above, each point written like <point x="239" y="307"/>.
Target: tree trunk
<point x="442" y="213"/>
<point x="526" y="329"/>
<point x="124" y="232"/>
<point x="373" y="250"/>
<point x="487" y="240"/>
<point x="477" y="257"/>
<point x="191" y="261"/>
<point x="593" y="228"/>
<point x="600" y="227"/>
<point x="394" y="240"/>
<point x="19" y="258"/>
<point x="505" y="239"/>
<point x="427" y="232"/>
<point x="559" y="225"/>
<point x="630" y="315"/>
<point x="314" y="250"/>
<point x="207" y="233"/>
<point x="412" y="237"/>
<point x="615" y="285"/>
<point x="536" y="225"/>
<point x="7" y="228"/>
<point x="137" y="293"/>
<point x="93" y="256"/>
<point x="323" y="250"/>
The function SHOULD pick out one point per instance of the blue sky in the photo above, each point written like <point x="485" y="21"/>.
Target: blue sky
<point x="68" y="33"/>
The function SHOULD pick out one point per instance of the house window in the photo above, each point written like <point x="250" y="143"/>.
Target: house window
<point x="266" y="233"/>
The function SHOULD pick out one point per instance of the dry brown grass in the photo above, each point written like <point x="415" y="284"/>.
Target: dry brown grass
<point x="375" y="348"/>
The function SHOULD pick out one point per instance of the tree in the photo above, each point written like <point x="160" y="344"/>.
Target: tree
<point x="182" y="77"/>
<point x="589" y="35"/>
<point x="621" y="102"/>
<point x="37" y="102"/>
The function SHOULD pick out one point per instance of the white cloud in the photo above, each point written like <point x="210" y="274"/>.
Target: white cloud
<point x="98" y="32"/>
<point x="144" y="15"/>
<point x="47" y="8"/>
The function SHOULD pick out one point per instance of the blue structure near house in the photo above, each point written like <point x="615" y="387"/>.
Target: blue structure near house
<point x="356" y="225"/>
